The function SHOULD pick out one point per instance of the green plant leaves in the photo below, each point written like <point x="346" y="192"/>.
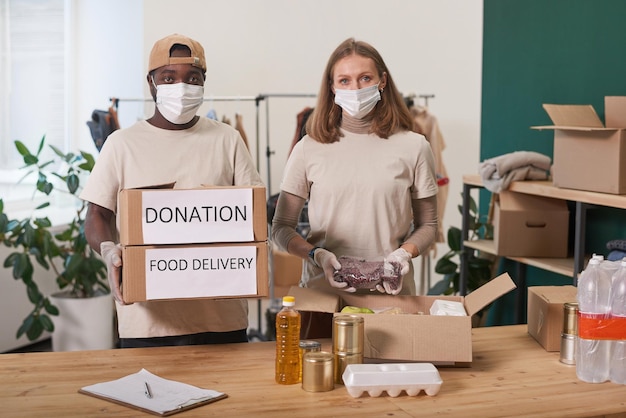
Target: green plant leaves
<point x="67" y="253"/>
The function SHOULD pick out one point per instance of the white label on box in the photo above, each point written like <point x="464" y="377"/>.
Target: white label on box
<point x="196" y="272"/>
<point x="197" y="216"/>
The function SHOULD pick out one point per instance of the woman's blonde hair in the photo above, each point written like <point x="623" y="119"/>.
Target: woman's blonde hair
<point x="388" y="117"/>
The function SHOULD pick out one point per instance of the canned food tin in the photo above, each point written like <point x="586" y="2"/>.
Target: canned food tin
<point x="308" y="346"/>
<point x="347" y="334"/>
<point x="317" y="372"/>
<point x="568" y="349"/>
<point x="570" y="321"/>
<point x="342" y="360"/>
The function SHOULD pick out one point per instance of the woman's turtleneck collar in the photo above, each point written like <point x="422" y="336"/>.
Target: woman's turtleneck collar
<point x="354" y="125"/>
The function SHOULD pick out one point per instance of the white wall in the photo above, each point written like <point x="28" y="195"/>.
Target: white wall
<point x="281" y="46"/>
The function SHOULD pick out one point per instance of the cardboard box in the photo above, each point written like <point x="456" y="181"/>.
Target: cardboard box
<point x="192" y="216"/>
<point x="587" y="154"/>
<point x="545" y="313"/>
<point x="205" y="271"/>
<point x="530" y="226"/>
<point x="415" y="335"/>
<point x="286" y="272"/>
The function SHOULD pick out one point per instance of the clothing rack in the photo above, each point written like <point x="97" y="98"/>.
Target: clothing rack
<point x="410" y="98"/>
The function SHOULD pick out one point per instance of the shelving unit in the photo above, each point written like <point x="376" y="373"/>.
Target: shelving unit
<point x="565" y="266"/>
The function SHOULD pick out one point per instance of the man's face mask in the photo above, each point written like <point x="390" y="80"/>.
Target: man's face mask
<point x="358" y="103"/>
<point x="178" y="103"/>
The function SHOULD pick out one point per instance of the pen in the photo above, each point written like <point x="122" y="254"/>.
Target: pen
<point x="147" y="390"/>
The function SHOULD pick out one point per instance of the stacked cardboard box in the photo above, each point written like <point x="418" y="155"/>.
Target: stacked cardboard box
<point x="587" y="154"/>
<point x="209" y="242"/>
<point x="530" y="226"/>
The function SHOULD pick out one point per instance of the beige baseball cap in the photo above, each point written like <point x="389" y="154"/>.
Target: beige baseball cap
<point x="160" y="54"/>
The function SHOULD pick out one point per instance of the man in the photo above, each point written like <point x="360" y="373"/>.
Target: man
<point x="174" y="146"/>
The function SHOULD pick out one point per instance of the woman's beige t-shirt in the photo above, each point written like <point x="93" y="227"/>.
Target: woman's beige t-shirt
<point x="359" y="191"/>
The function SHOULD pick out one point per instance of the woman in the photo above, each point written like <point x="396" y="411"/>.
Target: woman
<point x="369" y="180"/>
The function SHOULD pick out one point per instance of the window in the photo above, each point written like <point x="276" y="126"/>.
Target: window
<point x="32" y="77"/>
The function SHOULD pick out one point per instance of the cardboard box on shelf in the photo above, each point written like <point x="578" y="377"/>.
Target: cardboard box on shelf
<point x="413" y="335"/>
<point x="545" y="313"/>
<point x="155" y="216"/>
<point x="530" y="226"/>
<point x="204" y="271"/>
<point x="287" y="269"/>
<point x="587" y="154"/>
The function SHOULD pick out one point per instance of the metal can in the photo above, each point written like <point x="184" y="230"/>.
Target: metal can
<point x="570" y="318"/>
<point x="347" y="334"/>
<point x="307" y="346"/>
<point x="569" y="333"/>
<point x="317" y="372"/>
<point x="341" y="361"/>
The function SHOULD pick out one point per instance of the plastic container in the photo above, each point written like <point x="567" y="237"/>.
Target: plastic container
<point x="593" y="355"/>
<point x="618" y="309"/>
<point x="288" y="363"/>
<point x="392" y="378"/>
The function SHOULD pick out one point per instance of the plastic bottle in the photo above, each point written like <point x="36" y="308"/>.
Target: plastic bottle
<point x="593" y="356"/>
<point x="618" y="310"/>
<point x="288" y="343"/>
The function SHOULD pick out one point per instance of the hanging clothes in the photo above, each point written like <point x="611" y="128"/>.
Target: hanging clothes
<point x="239" y="127"/>
<point x="103" y="123"/>
<point x="301" y="120"/>
<point x="426" y="124"/>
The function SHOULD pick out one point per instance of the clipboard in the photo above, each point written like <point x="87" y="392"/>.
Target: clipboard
<point x="150" y="393"/>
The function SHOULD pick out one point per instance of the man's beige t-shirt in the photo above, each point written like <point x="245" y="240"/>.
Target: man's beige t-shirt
<point x="209" y="153"/>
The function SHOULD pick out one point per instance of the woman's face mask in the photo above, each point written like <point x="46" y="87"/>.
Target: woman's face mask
<point x="358" y="103"/>
<point x="178" y="103"/>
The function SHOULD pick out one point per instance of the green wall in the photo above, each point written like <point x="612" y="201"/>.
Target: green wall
<point x="550" y="51"/>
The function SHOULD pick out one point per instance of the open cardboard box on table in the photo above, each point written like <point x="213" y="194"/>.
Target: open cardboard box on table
<point x="202" y="271"/>
<point x="530" y="226"/>
<point x="587" y="154"/>
<point x="160" y="215"/>
<point x="545" y="313"/>
<point x="415" y="335"/>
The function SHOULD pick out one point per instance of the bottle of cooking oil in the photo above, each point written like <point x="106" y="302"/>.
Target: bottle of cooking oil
<point x="288" y="343"/>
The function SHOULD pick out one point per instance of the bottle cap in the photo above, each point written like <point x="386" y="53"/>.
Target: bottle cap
<point x="289" y="301"/>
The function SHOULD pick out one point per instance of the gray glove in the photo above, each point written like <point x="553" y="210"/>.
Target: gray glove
<point x="329" y="263"/>
<point x="401" y="257"/>
<point x="112" y="256"/>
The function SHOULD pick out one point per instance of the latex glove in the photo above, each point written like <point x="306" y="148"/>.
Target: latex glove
<point x="112" y="256"/>
<point x="401" y="257"/>
<point x="329" y="263"/>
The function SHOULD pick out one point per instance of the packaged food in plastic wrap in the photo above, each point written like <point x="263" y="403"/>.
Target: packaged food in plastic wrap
<point x="363" y="274"/>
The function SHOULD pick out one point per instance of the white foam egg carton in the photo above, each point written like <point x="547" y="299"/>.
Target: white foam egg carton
<point x="392" y="378"/>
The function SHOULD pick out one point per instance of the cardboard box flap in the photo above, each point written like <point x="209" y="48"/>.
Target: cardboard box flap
<point x="573" y="115"/>
<point x="167" y="186"/>
<point x="488" y="292"/>
<point x="615" y="111"/>
<point x="522" y="202"/>
<point x="313" y="300"/>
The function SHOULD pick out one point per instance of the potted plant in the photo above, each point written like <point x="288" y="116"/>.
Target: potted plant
<point x="35" y="241"/>
<point x="479" y="265"/>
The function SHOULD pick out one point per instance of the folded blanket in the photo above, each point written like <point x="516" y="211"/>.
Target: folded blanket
<point x="497" y="173"/>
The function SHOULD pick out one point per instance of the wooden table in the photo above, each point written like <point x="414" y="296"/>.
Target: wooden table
<point x="511" y="375"/>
